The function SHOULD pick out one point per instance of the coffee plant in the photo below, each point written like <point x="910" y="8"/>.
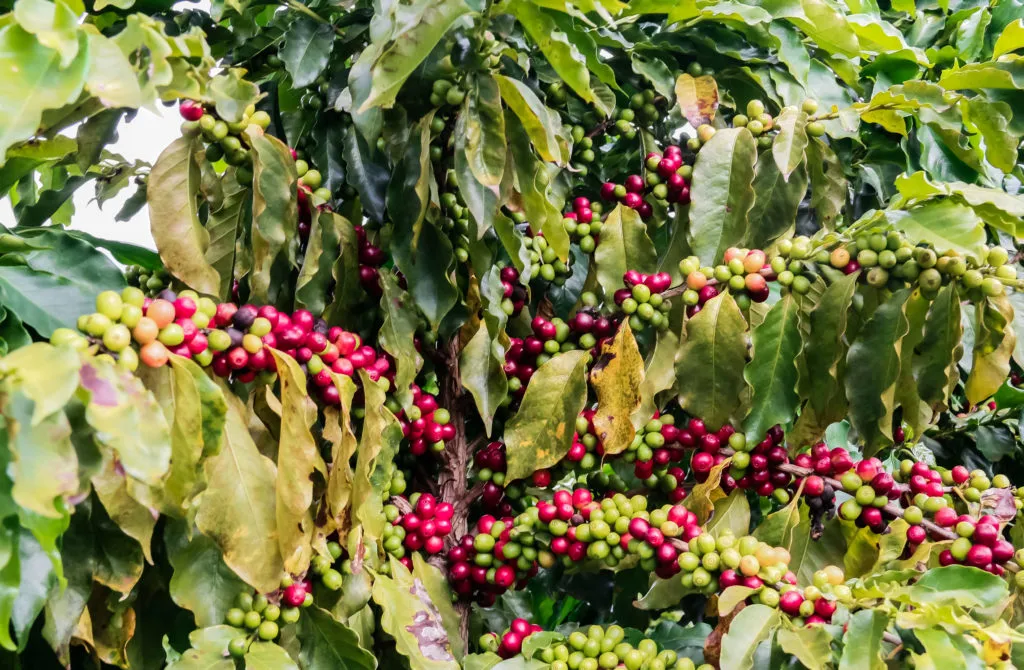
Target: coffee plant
<point x="515" y="335"/>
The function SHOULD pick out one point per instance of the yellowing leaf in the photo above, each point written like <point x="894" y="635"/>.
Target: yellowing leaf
<point x="540" y="433"/>
<point x="698" y="98"/>
<point x="617" y="378"/>
<point x="237" y="510"/>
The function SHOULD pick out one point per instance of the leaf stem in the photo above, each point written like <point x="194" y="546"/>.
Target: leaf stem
<point x="303" y="9"/>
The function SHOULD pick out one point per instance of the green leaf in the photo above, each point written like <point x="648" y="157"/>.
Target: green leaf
<point x="915" y="412"/>
<point x="307" y="48"/>
<point x="824" y="349"/>
<point x="297" y="459"/>
<point x="810" y="645"/>
<point x="862" y="648"/>
<point x="231" y="93"/>
<point x="173" y="187"/>
<point x="348" y="292"/>
<point x="339" y="432"/>
<point x="653" y="69"/>
<point x="992" y="119"/>
<point x="697" y="98"/>
<point x="366" y="173"/>
<point x="43" y="82"/>
<point x="328" y="644"/>
<point x="1003" y="74"/>
<point x="935" y="358"/>
<point x="274" y="229"/>
<point x="790" y="142"/>
<point x="136" y="520"/>
<point x="268" y="656"/>
<point x="772" y="372"/>
<point x="539" y="121"/>
<point x="412" y="618"/>
<point x="533" y="183"/>
<point x="875" y="356"/>
<point x="731" y="597"/>
<point x="828" y="183"/>
<point x="422" y="26"/>
<point x="201" y="582"/>
<point x="938" y="645"/>
<point x="398" y="335"/>
<point x="236" y="511"/>
<point x="946" y="225"/>
<point x="616" y="377"/>
<point x="827" y="27"/>
<point x="994" y="343"/>
<point x="485" y="133"/>
<point x="709" y="365"/>
<point x="970" y="34"/>
<point x="208" y="651"/>
<point x="322" y="250"/>
<point x="54" y="24"/>
<point x="732" y="513"/>
<point x="562" y="54"/>
<point x="378" y="445"/>
<point x="482" y="360"/>
<point x="722" y="192"/>
<point x="624" y="245"/>
<point x="1011" y="39"/>
<point x="748" y="629"/>
<point x="540" y="433"/>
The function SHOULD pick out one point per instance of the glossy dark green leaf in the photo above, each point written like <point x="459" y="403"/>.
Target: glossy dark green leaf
<point x="709" y="365"/>
<point x="722" y="193"/>
<point x="533" y="182"/>
<point x="772" y="371"/>
<point x="540" y="433"/>
<point x="776" y="202"/>
<point x="366" y="173"/>
<point x="201" y="583"/>
<point x="875" y="355"/>
<point x="935" y="358"/>
<point x="328" y="644"/>
<point x="274" y="232"/>
<point x="828" y="183"/>
<point x="307" y="48"/>
<point x="624" y="245"/>
<point x="482" y="360"/>
<point x="398" y="334"/>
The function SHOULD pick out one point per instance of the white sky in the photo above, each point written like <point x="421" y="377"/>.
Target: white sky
<point x="144" y="138"/>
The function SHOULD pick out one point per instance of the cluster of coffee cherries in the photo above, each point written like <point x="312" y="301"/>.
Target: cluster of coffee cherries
<point x="311" y="195"/>
<point x="509" y="643"/>
<point x="583" y="223"/>
<point x="550" y="337"/>
<point x="714" y="562"/>
<point x="486" y="563"/>
<point x="261" y="617"/>
<point x="606" y="647"/>
<point x="582" y="150"/>
<point x="170" y="323"/>
<point x="816" y="602"/>
<point x="980" y="541"/>
<point x="445" y="92"/>
<point x="426" y="425"/>
<point x="577" y="528"/>
<point x="224" y="141"/>
<point x="490" y="464"/>
<point x="642" y="300"/>
<point x="743" y="272"/>
<point x="656" y="448"/>
<point x="423" y="528"/>
<point x="972" y="483"/>
<point x="514" y="293"/>
<point x="371" y="258"/>
<point x="667" y="180"/>
<point x="755" y="465"/>
<point x="456" y="217"/>
<point x="150" y="281"/>
<point x="871" y="488"/>
<point x="551" y="268"/>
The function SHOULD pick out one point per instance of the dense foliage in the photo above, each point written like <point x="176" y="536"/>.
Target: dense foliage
<point x="515" y="335"/>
